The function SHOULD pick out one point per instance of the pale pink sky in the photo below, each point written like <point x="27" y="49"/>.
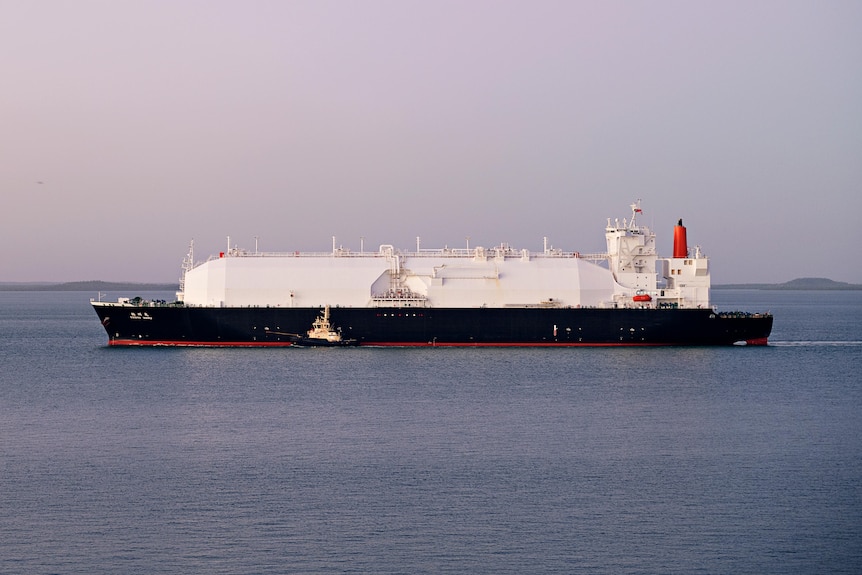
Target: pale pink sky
<point x="128" y="128"/>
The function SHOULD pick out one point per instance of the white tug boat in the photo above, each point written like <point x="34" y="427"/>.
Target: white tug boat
<point x="323" y="334"/>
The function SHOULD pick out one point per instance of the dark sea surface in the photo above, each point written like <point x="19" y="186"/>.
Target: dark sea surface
<point x="444" y="460"/>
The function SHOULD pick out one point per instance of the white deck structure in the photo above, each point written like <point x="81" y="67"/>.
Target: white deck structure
<point x="489" y="277"/>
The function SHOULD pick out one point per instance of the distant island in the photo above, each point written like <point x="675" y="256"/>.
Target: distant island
<point x="799" y="284"/>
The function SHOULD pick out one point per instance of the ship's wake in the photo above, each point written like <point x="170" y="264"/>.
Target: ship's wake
<point x="815" y="343"/>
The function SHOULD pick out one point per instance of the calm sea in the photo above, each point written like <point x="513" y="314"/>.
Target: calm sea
<point x="600" y="461"/>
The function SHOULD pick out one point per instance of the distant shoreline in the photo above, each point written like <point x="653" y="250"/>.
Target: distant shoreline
<point x="782" y="287"/>
<point x="92" y="286"/>
<point x="799" y="284"/>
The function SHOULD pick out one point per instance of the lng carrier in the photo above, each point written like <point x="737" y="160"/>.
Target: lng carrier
<point x="500" y="296"/>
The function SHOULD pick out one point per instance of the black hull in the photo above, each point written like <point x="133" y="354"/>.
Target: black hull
<point x="261" y="327"/>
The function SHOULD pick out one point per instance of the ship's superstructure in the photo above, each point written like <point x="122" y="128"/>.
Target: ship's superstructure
<point x="444" y="288"/>
<point x="679" y="281"/>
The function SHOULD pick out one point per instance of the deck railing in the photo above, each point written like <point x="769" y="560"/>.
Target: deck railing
<point x="485" y="253"/>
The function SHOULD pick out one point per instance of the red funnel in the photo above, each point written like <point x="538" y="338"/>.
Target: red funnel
<point x="680" y="246"/>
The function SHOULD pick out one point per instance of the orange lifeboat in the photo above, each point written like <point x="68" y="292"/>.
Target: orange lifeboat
<point x="642" y="297"/>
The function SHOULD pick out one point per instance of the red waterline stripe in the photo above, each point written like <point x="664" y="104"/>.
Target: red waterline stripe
<point x="545" y="344"/>
<point x="172" y="343"/>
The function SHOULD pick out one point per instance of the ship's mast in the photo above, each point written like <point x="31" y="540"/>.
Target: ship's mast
<point x="636" y="209"/>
